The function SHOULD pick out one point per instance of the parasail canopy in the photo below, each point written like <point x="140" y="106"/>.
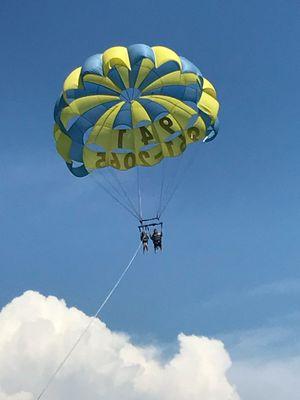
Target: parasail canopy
<point x="132" y="106"/>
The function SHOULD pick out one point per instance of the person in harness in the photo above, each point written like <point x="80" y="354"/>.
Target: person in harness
<point x="156" y="238"/>
<point x="144" y="240"/>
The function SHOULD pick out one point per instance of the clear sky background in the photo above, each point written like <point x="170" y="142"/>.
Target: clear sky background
<point x="231" y="259"/>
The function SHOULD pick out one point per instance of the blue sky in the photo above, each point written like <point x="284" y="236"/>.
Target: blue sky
<point x="231" y="239"/>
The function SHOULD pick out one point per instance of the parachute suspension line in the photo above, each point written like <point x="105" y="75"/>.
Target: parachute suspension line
<point x="114" y="188"/>
<point x="118" y="193"/>
<point x="139" y="192"/>
<point x="114" y="197"/>
<point x="179" y="181"/>
<point x="92" y="320"/>
<point x="163" y="177"/>
<point x="167" y="192"/>
<point x="132" y="206"/>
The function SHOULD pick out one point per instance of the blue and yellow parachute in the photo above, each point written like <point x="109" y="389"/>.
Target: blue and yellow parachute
<point x="132" y="106"/>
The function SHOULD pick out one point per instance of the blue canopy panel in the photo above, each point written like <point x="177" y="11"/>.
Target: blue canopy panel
<point x="188" y="66"/>
<point x="206" y="118"/>
<point x="76" y="152"/>
<point x="90" y="89"/>
<point x="134" y="73"/>
<point x="80" y="171"/>
<point x="180" y="92"/>
<point x="59" y="106"/>
<point x="212" y="131"/>
<point x="123" y="119"/>
<point x="116" y="78"/>
<point x="137" y="52"/>
<point x="154" y="110"/>
<point x="156" y="73"/>
<point x="93" y="65"/>
<point x="87" y="120"/>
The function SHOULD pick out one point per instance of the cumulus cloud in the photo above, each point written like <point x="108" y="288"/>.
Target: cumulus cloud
<point x="283" y="287"/>
<point x="267" y="360"/>
<point x="37" y="331"/>
<point x="263" y="379"/>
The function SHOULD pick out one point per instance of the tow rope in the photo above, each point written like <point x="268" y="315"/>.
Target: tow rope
<point x="92" y="320"/>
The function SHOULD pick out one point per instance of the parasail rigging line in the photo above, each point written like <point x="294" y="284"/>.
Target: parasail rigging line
<point x="111" y="184"/>
<point x="92" y="320"/>
<point x="139" y="193"/>
<point x="114" y="186"/>
<point x="162" y="185"/>
<point x="169" y="187"/>
<point x="178" y="181"/>
<point x="132" y="212"/>
<point x="115" y="176"/>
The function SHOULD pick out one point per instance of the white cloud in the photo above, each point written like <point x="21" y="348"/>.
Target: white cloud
<point x="283" y="287"/>
<point x="267" y="380"/>
<point x="37" y="331"/>
<point x="266" y="361"/>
